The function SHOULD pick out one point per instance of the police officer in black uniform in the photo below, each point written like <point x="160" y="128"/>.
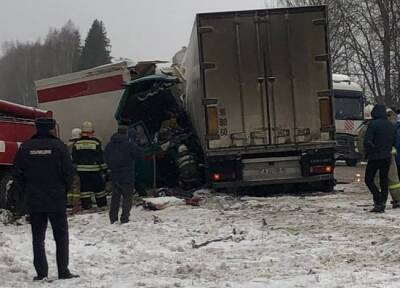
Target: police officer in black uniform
<point x="43" y="168"/>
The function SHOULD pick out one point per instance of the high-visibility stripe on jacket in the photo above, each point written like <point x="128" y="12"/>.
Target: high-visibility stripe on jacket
<point x="86" y="194"/>
<point x="100" y="194"/>
<point x="89" y="168"/>
<point x="87" y="155"/>
<point x="96" y="194"/>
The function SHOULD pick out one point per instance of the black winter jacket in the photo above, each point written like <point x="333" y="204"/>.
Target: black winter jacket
<point x="120" y="156"/>
<point x="380" y="136"/>
<point x="87" y="154"/>
<point x="43" y="170"/>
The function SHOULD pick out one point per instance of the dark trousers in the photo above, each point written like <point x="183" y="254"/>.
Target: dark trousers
<point x="92" y="183"/>
<point x="126" y="191"/>
<point x="398" y="170"/>
<point x="373" y="166"/>
<point x="60" y="232"/>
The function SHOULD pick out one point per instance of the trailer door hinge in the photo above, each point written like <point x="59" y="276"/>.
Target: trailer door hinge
<point x="212" y="137"/>
<point x="319" y="22"/>
<point x="208" y="65"/>
<point x="206" y="29"/>
<point x="325" y="93"/>
<point x="330" y="128"/>
<point x="261" y="19"/>
<point x="322" y="58"/>
<point x="208" y="102"/>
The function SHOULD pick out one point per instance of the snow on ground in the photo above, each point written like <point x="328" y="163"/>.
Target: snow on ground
<point x="316" y="240"/>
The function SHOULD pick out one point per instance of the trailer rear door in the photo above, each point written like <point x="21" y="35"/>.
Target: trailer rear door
<point x="263" y="74"/>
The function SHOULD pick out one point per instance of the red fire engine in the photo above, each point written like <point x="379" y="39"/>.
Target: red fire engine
<point x="16" y="126"/>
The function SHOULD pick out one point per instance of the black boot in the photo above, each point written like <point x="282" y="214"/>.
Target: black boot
<point x="39" y="278"/>
<point x="378" y="209"/>
<point x="395" y="204"/>
<point x="68" y="275"/>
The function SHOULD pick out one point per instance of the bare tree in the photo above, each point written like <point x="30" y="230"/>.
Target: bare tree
<point x="365" y="38"/>
<point x="340" y="52"/>
<point x="23" y="63"/>
<point x="372" y="26"/>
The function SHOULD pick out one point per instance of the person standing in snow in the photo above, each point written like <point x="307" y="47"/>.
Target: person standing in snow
<point x="120" y="156"/>
<point x="398" y="143"/>
<point x="87" y="155"/>
<point x="378" y="143"/>
<point x="393" y="179"/>
<point x="74" y="194"/>
<point x="43" y="168"/>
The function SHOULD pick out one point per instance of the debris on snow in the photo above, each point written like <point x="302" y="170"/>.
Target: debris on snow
<point x="232" y="237"/>
<point x="159" y="203"/>
<point x="343" y="246"/>
<point x="156" y="219"/>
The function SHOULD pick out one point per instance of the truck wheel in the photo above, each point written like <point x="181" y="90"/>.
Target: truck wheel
<point x="5" y="178"/>
<point x="351" y="162"/>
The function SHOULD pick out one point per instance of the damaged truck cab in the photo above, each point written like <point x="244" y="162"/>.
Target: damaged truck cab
<point x="158" y="124"/>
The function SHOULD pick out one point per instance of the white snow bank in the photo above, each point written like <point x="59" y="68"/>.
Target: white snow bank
<point x="289" y="241"/>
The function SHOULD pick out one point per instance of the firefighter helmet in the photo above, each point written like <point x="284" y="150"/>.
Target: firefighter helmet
<point x="87" y="127"/>
<point x="75" y="133"/>
<point x="367" y="112"/>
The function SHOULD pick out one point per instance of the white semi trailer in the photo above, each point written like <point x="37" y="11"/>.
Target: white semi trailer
<point x="89" y="95"/>
<point x="259" y="96"/>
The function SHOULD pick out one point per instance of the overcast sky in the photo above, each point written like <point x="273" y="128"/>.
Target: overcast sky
<point x="138" y="29"/>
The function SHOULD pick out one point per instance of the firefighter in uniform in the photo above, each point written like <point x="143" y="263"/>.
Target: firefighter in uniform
<point x="74" y="194"/>
<point x="394" y="183"/>
<point x="43" y="168"/>
<point x="87" y="155"/>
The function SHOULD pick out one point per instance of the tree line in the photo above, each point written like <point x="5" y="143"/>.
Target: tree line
<point x="59" y="53"/>
<point x="365" y="44"/>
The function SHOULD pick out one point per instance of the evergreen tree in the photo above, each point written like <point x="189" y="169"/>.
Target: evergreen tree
<point x="97" y="47"/>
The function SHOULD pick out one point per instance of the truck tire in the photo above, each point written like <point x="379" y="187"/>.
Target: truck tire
<point x="5" y="178"/>
<point x="351" y="162"/>
<point x="326" y="186"/>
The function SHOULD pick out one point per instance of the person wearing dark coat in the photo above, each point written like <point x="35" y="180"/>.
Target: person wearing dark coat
<point x="43" y="170"/>
<point x="378" y="144"/>
<point x="398" y="143"/>
<point x="120" y="155"/>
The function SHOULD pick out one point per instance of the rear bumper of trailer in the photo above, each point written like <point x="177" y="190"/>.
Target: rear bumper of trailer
<point x="301" y="180"/>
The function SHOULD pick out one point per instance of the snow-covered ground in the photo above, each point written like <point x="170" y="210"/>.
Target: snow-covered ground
<point x="319" y="240"/>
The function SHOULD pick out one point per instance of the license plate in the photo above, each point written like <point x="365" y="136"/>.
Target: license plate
<point x="272" y="171"/>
